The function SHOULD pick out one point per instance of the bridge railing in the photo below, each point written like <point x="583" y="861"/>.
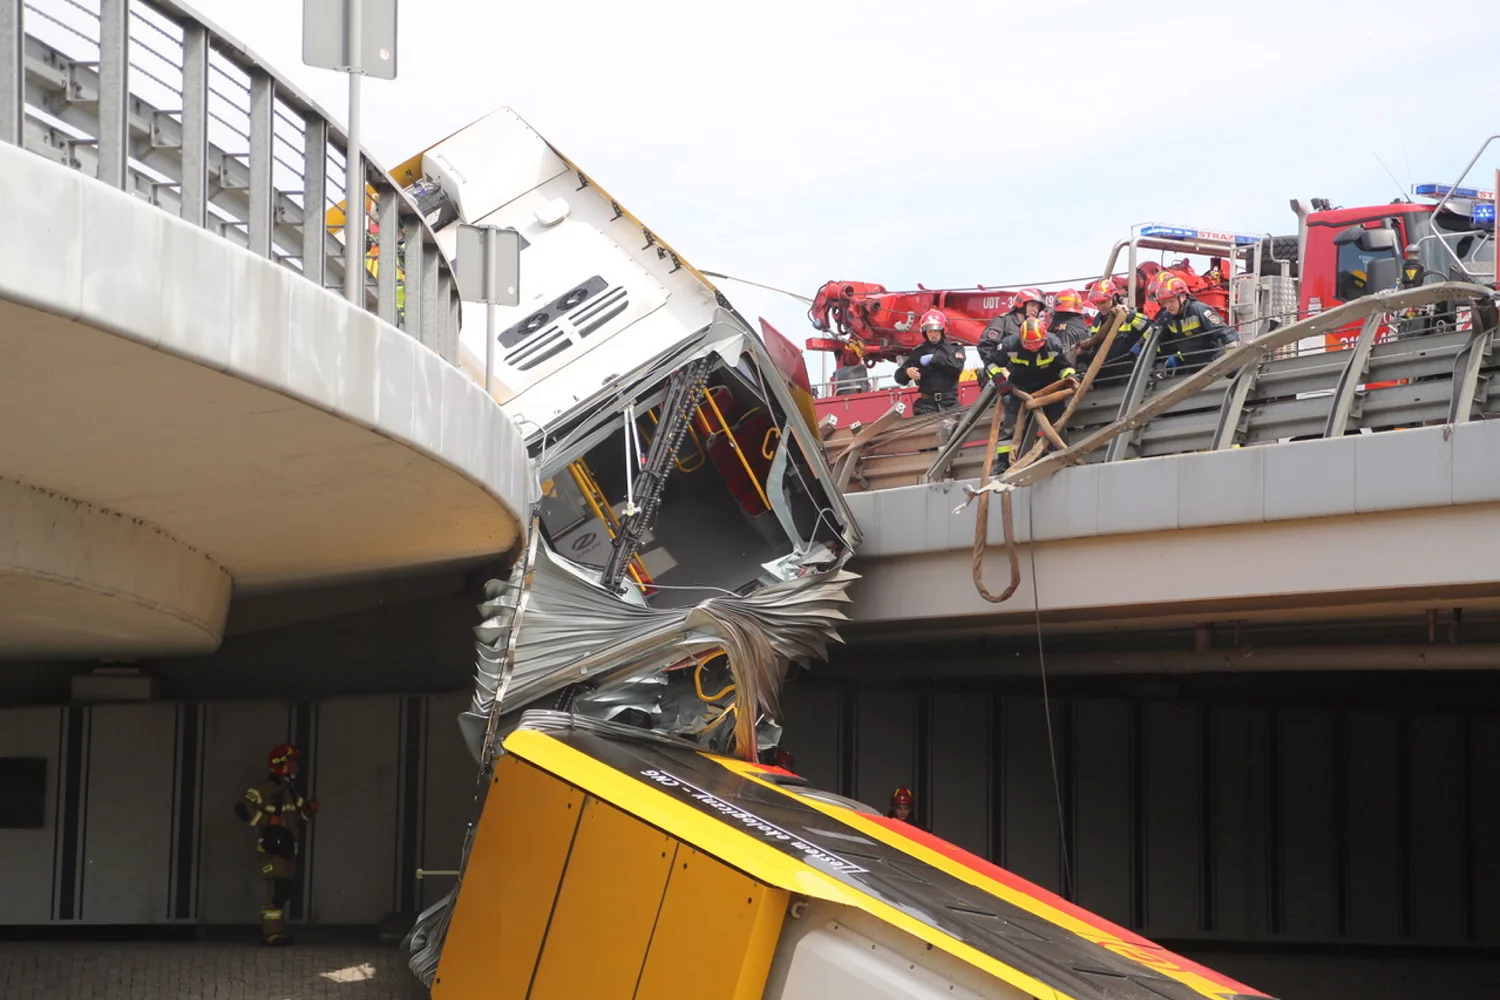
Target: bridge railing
<point x="1407" y="368"/>
<point x="147" y="96"/>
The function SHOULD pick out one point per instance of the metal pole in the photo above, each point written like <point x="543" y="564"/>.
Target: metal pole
<point x="13" y="71"/>
<point x="354" y="174"/>
<point x="490" y="308"/>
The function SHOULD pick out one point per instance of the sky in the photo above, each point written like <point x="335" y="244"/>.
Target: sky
<point x="947" y="143"/>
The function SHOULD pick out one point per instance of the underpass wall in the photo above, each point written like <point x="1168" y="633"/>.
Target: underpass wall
<point x="1262" y="823"/>
<point x="137" y="823"/>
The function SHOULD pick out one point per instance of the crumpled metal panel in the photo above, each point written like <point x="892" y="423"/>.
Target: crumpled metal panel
<point x="548" y="627"/>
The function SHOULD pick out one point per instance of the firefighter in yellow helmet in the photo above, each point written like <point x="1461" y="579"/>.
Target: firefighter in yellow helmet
<point x="277" y="812"/>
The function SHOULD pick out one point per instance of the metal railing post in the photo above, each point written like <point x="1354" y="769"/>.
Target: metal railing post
<point x="315" y="200"/>
<point x="114" y="91"/>
<point x="434" y="310"/>
<point x="448" y="289"/>
<point x="388" y="218"/>
<point x="416" y="256"/>
<point x="12" y="71"/>
<point x="195" y="124"/>
<point x="262" y="111"/>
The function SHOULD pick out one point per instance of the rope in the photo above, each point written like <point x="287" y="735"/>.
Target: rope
<point x="1041" y="656"/>
<point x="982" y="521"/>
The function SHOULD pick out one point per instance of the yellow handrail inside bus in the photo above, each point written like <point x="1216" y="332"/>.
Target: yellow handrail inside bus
<point x="733" y="443"/>
<point x="766" y="451"/>
<point x="594" y="497"/>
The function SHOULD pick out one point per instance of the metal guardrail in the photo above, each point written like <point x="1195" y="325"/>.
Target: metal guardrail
<point x="1433" y="366"/>
<point x="147" y="96"/>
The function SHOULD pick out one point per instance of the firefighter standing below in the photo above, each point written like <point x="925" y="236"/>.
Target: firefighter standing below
<point x="1027" y="304"/>
<point x="1191" y="334"/>
<point x="276" y="811"/>
<point x="1068" y="324"/>
<point x="1035" y="360"/>
<point x="933" y="366"/>
<point x="903" y="806"/>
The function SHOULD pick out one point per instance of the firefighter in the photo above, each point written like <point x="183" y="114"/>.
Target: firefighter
<point x="277" y="812"/>
<point x="1068" y="324"/>
<point x="1035" y="360"/>
<point x="1027" y="304"/>
<point x="934" y="366"/>
<point x="1191" y="334"/>
<point x="1104" y="295"/>
<point x="903" y="805"/>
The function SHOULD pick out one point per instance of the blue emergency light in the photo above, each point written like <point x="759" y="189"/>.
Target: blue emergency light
<point x="1447" y="191"/>
<point x="1483" y="214"/>
<point x="1181" y="233"/>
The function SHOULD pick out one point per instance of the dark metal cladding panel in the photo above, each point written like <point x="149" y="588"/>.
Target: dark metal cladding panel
<point x="1484" y="779"/>
<point x="1007" y="933"/>
<point x="1439" y="884"/>
<point x="1238" y="776"/>
<point x="812" y="725"/>
<point x="1373" y="826"/>
<point x="885" y="746"/>
<point x="1306" y="807"/>
<point x="1101" y="810"/>
<point x="1030" y="810"/>
<point x="1173" y="821"/>
<point x="960" y="795"/>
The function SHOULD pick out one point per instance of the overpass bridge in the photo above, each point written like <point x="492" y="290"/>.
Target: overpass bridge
<point x="193" y="414"/>
<point x="1306" y="485"/>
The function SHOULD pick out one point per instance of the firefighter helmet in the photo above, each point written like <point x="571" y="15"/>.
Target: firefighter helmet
<point x="1033" y="333"/>
<point x="902" y="797"/>
<point x="1169" y="286"/>
<point x="1068" y="301"/>
<point x="1101" y="293"/>
<point x="283" y="760"/>
<point x="1026" y="295"/>
<point x="934" y="319"/>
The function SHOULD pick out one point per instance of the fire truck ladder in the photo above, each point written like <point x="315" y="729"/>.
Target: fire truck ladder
<point x="682" y="395"/>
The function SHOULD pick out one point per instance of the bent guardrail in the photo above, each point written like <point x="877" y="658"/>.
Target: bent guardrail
<point x="147" y="96"/>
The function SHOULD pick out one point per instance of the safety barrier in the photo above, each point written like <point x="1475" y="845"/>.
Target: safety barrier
<point x="148" y="97"/>
<point x="1407" y="368"/>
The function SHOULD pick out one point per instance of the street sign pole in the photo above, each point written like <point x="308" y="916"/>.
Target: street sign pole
<point x="491" y="310"/>
<point x="488" y="265"/>
<point x="354" y="173"/>
<point x="357" y="37"/>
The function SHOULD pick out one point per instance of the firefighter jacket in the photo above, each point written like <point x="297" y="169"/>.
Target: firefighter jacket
<point x="1070" y="329"/>
<point x="1032" y="370"/>
<point x="1130" y="333"/>
<point x="1000" y="327"/>
<point x="1194" y="336"/>
<point x="940" y="374"/>
<point x="277" y="812"/>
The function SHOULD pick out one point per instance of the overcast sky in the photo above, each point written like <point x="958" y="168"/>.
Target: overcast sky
<point x="974" y="143"/>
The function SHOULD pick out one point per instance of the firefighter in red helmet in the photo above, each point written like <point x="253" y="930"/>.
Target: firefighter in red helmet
<point x="277" y="812"/>
<point x="1104" y="295"/>
<point x="1035" y="360"/>
<point x="903" y="804"/>
<point x="1028" y="303"/>
<point x="1191" y="334"/>
<point x="933" y="366"/>
<point x="1068" y="323"/>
